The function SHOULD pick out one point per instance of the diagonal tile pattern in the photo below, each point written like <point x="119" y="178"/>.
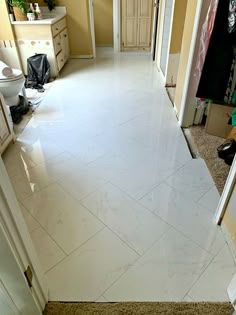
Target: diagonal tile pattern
<point x="116" y="207"/>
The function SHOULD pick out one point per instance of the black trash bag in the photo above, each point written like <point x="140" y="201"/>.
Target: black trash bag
<point x="38" y="69"/>
<point x="19" y="110"/>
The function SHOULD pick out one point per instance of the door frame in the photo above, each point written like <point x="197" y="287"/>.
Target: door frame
<point x="162" y="7"/>
<point x="227" y="192"/>
<point x="116" y="26"/>
<point x="16" y="230"/>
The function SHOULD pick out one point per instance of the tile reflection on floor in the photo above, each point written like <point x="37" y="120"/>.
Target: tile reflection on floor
<point x="116" y="207"/>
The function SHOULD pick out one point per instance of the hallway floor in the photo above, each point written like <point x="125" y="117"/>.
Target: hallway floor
<point x="115" y="205"/>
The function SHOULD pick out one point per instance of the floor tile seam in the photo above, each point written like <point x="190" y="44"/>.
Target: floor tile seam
<point x="42" y="227"/>
<point x="201" y="275"/>
<point x="185" y="197"/>
<point x="108" y="227"/>
<point x="20" y="203"/>
<point x="77" y="249"/>
<point x="184" y="233"/>
<point x="96" y="188"/>
<point x="178" y="169"/>
<point x="186" y="297"/>
<point x="139" y="258"/>
<point x="137" y="200"/>
<point x="199" y="199"/>
<point x="36" y="192"/>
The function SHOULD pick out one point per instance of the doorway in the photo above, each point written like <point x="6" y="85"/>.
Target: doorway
<point x="105" y="24"/>
<point x="136" y="25"/>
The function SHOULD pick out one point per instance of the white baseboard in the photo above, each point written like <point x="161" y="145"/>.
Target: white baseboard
<point x="81" y="57"/>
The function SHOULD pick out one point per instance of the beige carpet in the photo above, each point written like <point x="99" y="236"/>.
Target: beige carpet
<point x="139" y="308"/>
<point x="207" y="147"/>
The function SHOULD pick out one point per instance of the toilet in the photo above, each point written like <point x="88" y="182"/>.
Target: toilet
<point x="10" y="87"/>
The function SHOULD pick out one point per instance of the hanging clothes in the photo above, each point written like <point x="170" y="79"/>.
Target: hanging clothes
<point x="219" y="58"/>
<point x="232" y="16"/>
<point x="232" y="82"/>
<point x="205" y="37"/>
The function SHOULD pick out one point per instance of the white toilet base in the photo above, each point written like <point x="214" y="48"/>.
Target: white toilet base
<point x="12" y="101"/>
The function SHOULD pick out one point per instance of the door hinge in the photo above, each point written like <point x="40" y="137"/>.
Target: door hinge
<point x="29" y="276"/>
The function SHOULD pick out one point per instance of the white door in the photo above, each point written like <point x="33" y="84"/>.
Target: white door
<point x="136" y="24"/>
<point x="129" y="23"/>
<point x="17" y="253"/>
<point x="145" y="8"/>
<point x="15" y="294"/>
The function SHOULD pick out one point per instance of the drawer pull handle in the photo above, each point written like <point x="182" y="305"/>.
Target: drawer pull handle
<point x="57" y="28"/>
<point x="59" y="44"/>
<point x="65" y="35"/>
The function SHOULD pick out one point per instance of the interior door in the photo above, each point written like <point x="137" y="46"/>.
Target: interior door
<point x="144" y="23"/>
<point x="15" y="295"/>
<point x="136" y="24"/>
<point x="129" y="23"/>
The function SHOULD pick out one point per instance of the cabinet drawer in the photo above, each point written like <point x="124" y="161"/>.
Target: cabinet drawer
<point x="60" y="60"/>
<point x="58" y="27"/>
<point x="57" y="44"/>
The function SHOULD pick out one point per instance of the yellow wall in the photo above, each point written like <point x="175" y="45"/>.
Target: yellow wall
<point x="103" y="20"/>
<point x="5" y="28"/>
<point x="178" y="26"/>
<point x="78" y="23"/>
<point x="186" y="42"/>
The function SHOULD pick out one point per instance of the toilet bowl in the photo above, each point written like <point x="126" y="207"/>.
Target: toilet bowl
<point x="10" y="87"/>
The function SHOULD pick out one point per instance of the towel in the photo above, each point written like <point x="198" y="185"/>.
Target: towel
<point x="5" y="70"/>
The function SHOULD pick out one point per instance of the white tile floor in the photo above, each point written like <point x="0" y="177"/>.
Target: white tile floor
<point x="116" y="207"/>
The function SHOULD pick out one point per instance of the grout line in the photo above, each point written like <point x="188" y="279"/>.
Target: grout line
<point x="68" y="255"/>
<point x="135" y="261"/>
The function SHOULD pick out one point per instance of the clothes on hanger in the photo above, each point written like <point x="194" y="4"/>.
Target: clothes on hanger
<point x="219" y="58"/>
<point x="232" y="16"/>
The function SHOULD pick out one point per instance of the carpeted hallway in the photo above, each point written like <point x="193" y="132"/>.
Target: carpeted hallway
<point x="139" y="308"/>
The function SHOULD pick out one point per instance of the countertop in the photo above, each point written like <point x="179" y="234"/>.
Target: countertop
<point x="48" y="17"/>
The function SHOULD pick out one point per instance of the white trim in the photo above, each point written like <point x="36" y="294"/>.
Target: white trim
<point x="190" y="62"/>
<point x="92" y="28"/>
<point x="116" y="25"/>
<point x="162" y="6"/>
<point x="15" y="227"/>
<point x="81" y="57"/>
<point x="226" y="195"/>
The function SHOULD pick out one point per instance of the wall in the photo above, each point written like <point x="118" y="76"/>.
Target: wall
<point x="8" y="50"/>
<point x="6" y="31"/>
<point x="176" y="40"/>
<point x="78" y="23"/>
<point x="186" y="43"/>
<point x="103" y="21"/>
<point x="178" y="26"/>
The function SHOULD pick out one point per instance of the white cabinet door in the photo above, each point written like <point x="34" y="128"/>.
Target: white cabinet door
<point x="136" y="24"/>
<point x="4" y="130"/>
<point x="129" y="23"/>
<point x="144" y="23"/>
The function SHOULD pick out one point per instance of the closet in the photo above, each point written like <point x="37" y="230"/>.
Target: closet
<point x="215" y="78"/>
<point x="136" y="24"/>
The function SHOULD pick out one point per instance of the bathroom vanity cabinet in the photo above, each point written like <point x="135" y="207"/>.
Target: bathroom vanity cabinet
<point x="6" y="133"/>
<point x="47" y="36"/>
